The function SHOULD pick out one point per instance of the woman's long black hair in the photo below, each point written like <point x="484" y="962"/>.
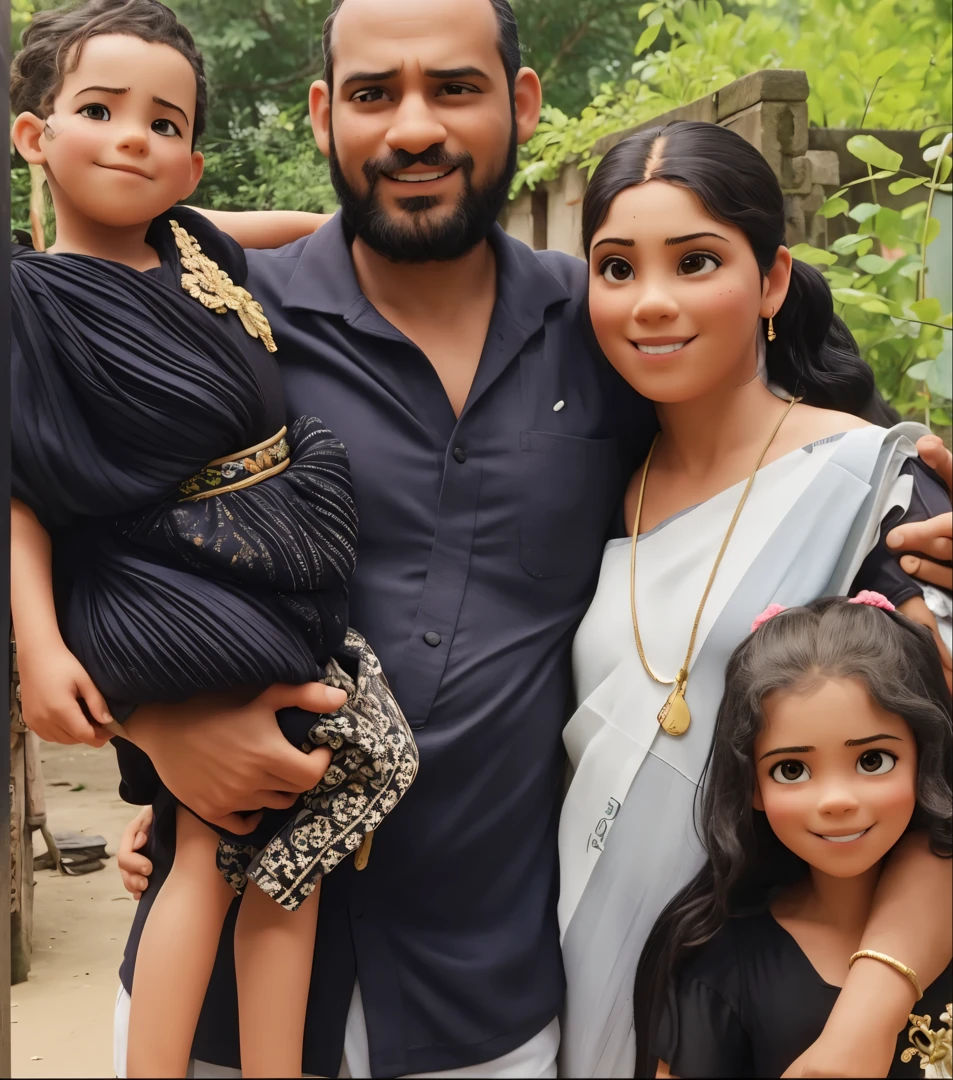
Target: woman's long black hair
<point x="898" y="663"/>
<point x="814" y="356"/>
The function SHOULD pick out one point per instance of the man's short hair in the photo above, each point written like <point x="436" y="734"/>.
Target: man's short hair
<point x="54" y="39"/>
<point x="509" y="41"/>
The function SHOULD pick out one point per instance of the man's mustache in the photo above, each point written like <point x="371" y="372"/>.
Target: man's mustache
<point x="434" y="157"/>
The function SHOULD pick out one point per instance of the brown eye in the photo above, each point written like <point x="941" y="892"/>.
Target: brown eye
<point x="791" y="772"/>
<point x="699" y="262"/>
<point x="94" y="112"/>
<point x="875" y="763"/>
<point x="166" y="128"/>
<point x="616" y="270"/>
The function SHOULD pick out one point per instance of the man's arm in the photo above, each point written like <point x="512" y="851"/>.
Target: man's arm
<point x="264" y="228"/>
<point x="909" y="921"/>
<point x="220" y="755"/>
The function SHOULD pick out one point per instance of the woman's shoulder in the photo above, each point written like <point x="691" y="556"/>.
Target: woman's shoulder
<point x="810" y="423"/>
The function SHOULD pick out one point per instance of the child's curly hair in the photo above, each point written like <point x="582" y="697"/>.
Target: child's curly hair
<point x="53" y="41"/>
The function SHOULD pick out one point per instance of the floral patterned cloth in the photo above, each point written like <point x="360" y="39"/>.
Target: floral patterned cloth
<point x="374" y="762"/>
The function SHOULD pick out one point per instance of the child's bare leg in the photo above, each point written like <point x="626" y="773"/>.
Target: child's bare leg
<point x="273" y="954"/>
<point x="176" y="954"/>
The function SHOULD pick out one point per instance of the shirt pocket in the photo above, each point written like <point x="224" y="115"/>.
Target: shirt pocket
<point x="569" y="488"/>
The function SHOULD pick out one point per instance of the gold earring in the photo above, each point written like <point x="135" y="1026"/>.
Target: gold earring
<point x="771" y="334"/>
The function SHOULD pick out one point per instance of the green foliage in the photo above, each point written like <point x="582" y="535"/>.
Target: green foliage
<point x="903" y="334"/>
<point x="849" y="49"/>
<point x="261" y="56"/>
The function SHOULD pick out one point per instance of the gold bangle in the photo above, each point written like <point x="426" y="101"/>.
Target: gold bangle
<point x="895" y="964"/>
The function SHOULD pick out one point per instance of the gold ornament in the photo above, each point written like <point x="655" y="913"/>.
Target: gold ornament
<point x="772" y="336"/>
<point x="675" y="716"/>
<point x="932" y="1047"/>
<point x="206" y="282"/>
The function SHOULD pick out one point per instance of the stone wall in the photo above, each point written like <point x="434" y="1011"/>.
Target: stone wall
<point x="767" y="108"/>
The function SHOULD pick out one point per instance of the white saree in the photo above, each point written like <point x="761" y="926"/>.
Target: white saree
<point x="627" y="839"/>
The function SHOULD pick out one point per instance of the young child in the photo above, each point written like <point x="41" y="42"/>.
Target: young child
<point x="833" y="740"/>
<point x="171" y="536"/>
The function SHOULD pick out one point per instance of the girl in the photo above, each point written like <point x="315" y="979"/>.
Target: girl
<point x="198" y="544"/>
<point x="771" y="479"/>
<point x="833" y="739"/>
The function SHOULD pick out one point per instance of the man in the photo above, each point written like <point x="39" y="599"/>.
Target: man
<point x="489" y="445"/>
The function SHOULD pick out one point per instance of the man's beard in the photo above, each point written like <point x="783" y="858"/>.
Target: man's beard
<point x="417" y="238"/>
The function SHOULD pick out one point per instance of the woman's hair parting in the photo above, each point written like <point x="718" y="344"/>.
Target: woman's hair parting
<point x="54" y="39"/>
<point x="898" y="663"/>
<point x="814" y="355"/>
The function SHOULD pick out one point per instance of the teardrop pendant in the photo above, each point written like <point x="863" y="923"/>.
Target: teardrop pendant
<point x="674" y="716"/>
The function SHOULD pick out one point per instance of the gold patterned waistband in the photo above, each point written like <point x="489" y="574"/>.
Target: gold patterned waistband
<point x="240" y="470"/>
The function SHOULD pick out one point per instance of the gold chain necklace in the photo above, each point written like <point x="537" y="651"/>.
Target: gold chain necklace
<point x="674" y="716"/>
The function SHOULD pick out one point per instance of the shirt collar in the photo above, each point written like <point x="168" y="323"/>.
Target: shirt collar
<point x="324" y="280"/>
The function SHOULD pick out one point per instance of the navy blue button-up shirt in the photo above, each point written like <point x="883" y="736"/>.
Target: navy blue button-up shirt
<point x="480" y="541"/>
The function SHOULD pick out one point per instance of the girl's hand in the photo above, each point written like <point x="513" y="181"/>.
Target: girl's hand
<point x="917" y="611"/>
<point x="52" y="685"/>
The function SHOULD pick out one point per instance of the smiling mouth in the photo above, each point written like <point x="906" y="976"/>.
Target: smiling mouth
<point x="661" y="350"/>
<point x="420" y="177"/>
<point x="845" y="839"/>
<point x="126" y="169"/>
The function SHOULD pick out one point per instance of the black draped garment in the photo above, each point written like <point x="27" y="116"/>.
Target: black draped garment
<point x="123" y="388"/>
<point x="749" y="1003"/>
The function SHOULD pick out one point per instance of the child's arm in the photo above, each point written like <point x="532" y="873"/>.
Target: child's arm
<point x="264" y="228"/>
<point x="910" y="921"/>
<point x="51" y="678"/>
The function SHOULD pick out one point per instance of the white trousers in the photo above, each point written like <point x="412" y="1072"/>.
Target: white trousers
<point x="534" y="1060"/>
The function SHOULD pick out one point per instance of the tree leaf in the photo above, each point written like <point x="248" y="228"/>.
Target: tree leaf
<point x="833" y="207"/>
<point x="864" y="212"/>
<point x="883" y="62"/>
<point x="873" y="264"/>
<point x="921" y="370"/>
<point x="931" y="133"/>
<point x="872" y="151"/>
<point x="908" y="183"/>
<point x="928" y="309"/>
<point x="851" y="296"/>
<point x="812" y="255"/>
<point x="940" y="379"/>
<point x="647" y="38"/>
<point x="866" y="179"/>
<point x="933" y="230"/>
<point x="877" y="306"/>
<point x="945" y="166"/>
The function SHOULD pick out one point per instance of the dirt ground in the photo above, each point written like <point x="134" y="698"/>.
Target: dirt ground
<point x="62" y="1017"/>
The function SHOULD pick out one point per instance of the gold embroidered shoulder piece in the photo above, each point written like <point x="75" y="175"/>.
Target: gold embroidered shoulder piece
<point x="933" y="1047"/>
<point x="210" y="285"/>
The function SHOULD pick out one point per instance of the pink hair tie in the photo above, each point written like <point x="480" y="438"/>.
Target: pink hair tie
<point x="872" y="599"/>
<point x="769" y="612"/>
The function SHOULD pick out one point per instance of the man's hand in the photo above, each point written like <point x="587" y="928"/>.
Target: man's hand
<point x="52" y="684"/>
<point x="933" y="537"/>
<point x="134" y="868"/>
<point x="219" y="759"/>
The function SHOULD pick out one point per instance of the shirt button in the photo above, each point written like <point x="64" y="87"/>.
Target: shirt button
<point x="432" y="638"/>
<point x="460" y="455"/>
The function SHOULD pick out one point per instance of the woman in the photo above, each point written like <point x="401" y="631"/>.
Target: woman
<point x="768" y="483"/>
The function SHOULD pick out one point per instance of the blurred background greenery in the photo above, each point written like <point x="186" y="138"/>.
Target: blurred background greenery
<point x="607" y="65"/>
